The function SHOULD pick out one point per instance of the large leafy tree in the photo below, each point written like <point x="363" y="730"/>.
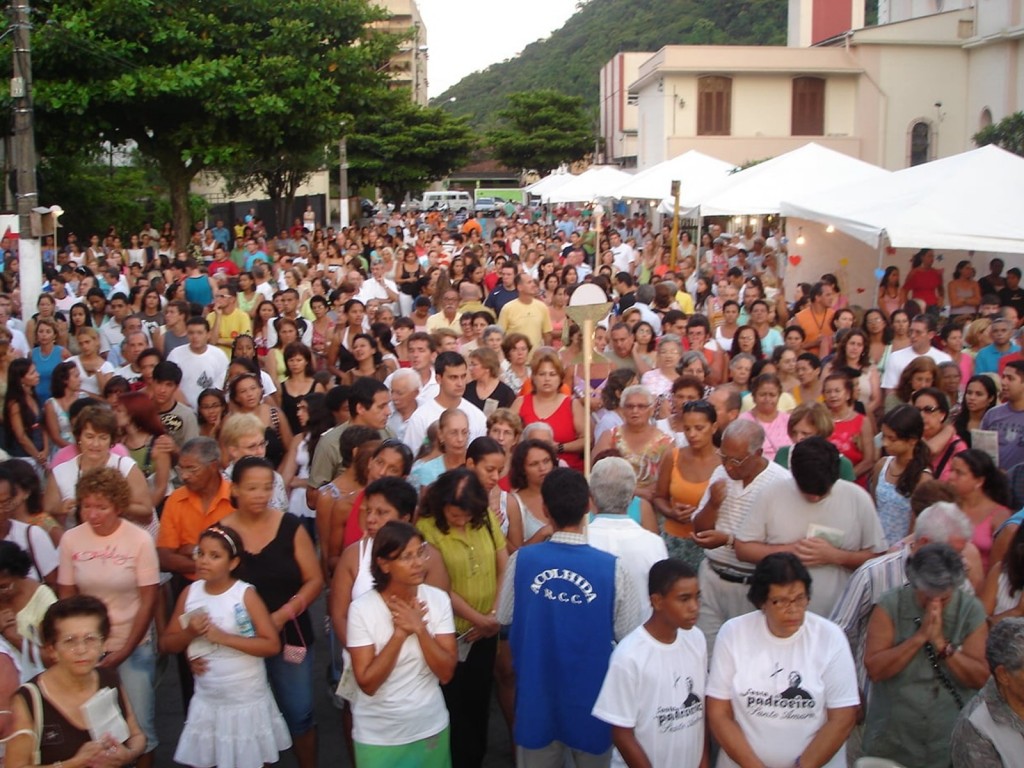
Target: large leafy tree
<point x="1008" y="133"/>
<point x="401" y="146"/>
<point x="541" y="130"/>
<point x="199" y="84"/>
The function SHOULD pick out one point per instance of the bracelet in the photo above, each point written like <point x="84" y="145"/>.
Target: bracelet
<point x="730" y="542"/>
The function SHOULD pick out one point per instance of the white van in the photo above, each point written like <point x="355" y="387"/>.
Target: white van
<point x="447" y="200"/>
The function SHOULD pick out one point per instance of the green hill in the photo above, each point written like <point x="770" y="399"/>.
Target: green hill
<point x="570" y="60"/>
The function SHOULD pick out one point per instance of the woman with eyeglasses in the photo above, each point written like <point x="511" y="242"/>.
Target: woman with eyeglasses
<point x="74" y="631"/>
<point x="401" y="636"/>
<point x="126" y="579"/>
<point x="683" y="478"/>
<point x="278" y="559"/>
<point x="782" y="688"/>
<point x="940" y="435"/>
<point x="638" y="440"/>
<point x="456" y="521"/>
<point x="925" y="657"/>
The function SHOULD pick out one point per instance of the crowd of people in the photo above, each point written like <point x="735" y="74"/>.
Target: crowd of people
<point x="797" y="542"/>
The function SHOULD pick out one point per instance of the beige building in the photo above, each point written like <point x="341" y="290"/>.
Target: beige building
<point x="408" y="68"/>
<point x="618" y="108"/>
<point x="910" y="90"/>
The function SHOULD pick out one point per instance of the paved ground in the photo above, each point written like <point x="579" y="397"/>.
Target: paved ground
<point x="333" y="754"/>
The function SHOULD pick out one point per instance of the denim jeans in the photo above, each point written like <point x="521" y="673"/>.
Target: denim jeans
<point x="292" y="685"/>
<point x="138" y="678"/>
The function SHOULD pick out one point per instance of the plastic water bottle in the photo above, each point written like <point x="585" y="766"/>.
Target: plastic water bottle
<point x="243" y="621"/>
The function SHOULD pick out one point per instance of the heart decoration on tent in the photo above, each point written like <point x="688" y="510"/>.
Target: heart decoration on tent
<point x="843" y="262"/>
<point x="860" y="290"/>
<point x="890" y="250"/>
<point x="879" y="273"/>
<point x="795" y="259"/>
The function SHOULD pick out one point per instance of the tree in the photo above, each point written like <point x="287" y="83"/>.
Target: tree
<point x="198" y="84"/>
<point x="401" y="146"/>
<point x="1008" y="133"/>
<point x="278" y="177"/>
<point x="542" y="129"/>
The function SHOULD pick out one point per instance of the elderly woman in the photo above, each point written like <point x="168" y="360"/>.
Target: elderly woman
<point x="74" y="631"/>
<point x="456" y="521"/>
<point x="925" y="655"/>
<point x="609" y="415"/>
<point x="988" y="731"/>
<point x="638" y="440"/>
<point x="783" y="688"/>
<point x="125" y="578"/>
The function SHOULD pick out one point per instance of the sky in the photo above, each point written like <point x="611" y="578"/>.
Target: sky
<point x="464" y="36"/>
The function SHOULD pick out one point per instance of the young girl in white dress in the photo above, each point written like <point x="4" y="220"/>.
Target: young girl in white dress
<point x="233" y="721"/>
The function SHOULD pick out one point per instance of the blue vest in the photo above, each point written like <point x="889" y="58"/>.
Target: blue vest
<point x="561" y="637"/>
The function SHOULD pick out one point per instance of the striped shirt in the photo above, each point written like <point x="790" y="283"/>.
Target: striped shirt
<point x="739" y="500"/>
<point x="865" y="588"/>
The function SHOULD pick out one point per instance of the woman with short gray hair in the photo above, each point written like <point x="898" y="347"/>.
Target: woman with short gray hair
<point x="990" y="730"/>
<point x="638" y="440"/>
<point x="925" y="655"/>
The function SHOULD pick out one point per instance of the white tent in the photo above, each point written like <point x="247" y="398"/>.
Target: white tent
<point x="548" y="184"/>
<point x="597" y="181"/>
<point x="694" y="170"/>
<point x="760" y="189"/>
<point x="970" y="201"/>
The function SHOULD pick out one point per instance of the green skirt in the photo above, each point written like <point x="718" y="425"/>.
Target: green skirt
<point x="431" y="752"/>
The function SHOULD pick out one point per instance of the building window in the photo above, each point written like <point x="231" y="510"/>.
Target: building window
<point x="920" y="142"/>
<point x="714" y="106"/>
<point x="808" y="106"/>
<point x="986" y="118"/>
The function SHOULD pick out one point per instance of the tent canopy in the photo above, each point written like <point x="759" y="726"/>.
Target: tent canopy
<point x="970" y="201"/>
<point x="694" y="170"/>
<point x="549" y="183"/>
<point x="597" y="181"/>
<point x="760" y="189"/>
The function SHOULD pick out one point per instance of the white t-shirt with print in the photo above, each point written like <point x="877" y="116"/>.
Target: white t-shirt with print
<point x="781" y="688"/>
<point x="657" y="689"/>
<point x="409" y="705"/>
<point x="199" y="371"/>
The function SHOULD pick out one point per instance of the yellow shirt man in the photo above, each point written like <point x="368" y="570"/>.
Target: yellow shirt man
<point x="232" y="325"/>
<point x="532" y="320"/>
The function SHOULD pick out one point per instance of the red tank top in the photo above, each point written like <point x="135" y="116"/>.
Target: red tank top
<point x="561" y="424"/>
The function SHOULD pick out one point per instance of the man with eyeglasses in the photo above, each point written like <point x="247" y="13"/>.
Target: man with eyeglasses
<point x="734" y="489"/>
<point x="830" y="524"/>
<point x="922" y="331"/>
<point x="227" y="321"/>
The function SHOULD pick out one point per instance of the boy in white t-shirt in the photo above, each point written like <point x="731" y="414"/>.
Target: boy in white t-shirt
<point x="653" y="693"/>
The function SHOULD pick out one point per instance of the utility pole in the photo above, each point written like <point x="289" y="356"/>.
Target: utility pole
<point x="29" y="255"/>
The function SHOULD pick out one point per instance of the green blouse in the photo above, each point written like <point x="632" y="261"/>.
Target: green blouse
<point x="471" y="559"/>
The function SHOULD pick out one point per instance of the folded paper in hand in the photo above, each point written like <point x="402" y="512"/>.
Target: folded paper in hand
<point x="103" y="716"/>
